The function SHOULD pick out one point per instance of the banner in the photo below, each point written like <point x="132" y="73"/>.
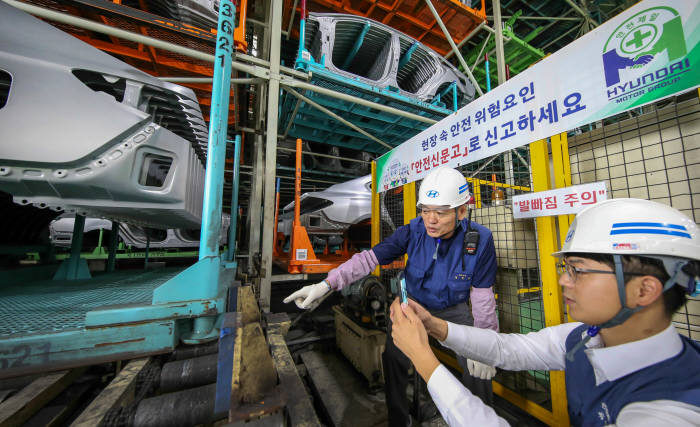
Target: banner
<point x="562" y="201"/>
<point x="644" y="54"/>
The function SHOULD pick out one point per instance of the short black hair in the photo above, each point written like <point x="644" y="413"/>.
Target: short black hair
<point x="674" y="298"/>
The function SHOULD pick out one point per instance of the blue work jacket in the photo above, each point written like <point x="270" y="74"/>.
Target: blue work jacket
<point x="677" y="378"/>
<point x="441" y="280"/>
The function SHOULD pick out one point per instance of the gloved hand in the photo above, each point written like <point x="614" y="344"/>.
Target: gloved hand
<point x="306" y="296"/>
<point x="480" y="370"/>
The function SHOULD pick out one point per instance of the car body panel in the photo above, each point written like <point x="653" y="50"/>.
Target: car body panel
<point x="83" y="132"/>
<point x="331" y="37"/>
<point x="346" y="204"/>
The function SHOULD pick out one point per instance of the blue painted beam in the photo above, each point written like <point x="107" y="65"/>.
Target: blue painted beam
<point x="59" y="350"/>
<point x="218" y="127"/>
<point x="407" y="56"/>
<point x="74" y="268"/>
<point x="124" y="314"/>
<point x="113" y="240"/>
<point x="201" y="281"/>
<point x="356" y="47"/>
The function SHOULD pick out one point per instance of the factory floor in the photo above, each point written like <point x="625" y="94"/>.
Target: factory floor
<point x="342" y="396"/>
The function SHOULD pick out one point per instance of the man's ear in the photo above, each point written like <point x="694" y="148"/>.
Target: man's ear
<point x="644" y="290"/>
<point x="462" y="212"/>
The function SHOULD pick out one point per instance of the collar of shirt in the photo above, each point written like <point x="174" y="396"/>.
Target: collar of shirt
<point x="612" y="363"/>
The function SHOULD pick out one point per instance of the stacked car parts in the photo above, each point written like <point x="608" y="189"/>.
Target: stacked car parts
<point x="61" y="233"/>
<point x="86" y="133"/>
<point x="371" y="52"/>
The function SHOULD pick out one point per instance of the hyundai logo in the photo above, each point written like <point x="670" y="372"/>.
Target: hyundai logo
<point x="432" y="194"/>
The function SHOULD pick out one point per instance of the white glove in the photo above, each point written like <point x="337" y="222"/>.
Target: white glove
<point x="480" y="370"/>
<point x="307" y="295"/>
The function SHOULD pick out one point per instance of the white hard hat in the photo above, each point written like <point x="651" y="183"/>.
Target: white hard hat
<point x="633" y="227"/>
<point x="444" y="187"/>
<point x="638" y="227"/>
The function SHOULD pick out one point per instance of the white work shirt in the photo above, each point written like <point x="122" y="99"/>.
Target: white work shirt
<point x="546" y="350"/>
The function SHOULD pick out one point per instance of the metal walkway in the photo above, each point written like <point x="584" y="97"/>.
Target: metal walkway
<point x="48" y="306"/>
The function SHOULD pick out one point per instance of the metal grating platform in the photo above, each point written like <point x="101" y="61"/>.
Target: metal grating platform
<point x="53" y="306"/>
<point x="312" y="125"/>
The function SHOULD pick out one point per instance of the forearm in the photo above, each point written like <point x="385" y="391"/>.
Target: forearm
<point x="437" y="328"/>
<point x="537" y="350"/>
<point x="425" y="363"/>
<point x="457" y="405"/>
<point x="357" y="267"/>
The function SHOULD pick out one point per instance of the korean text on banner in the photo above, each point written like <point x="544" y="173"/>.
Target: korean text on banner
<point x="562" y="201"/>
<point x="644" y="54"/>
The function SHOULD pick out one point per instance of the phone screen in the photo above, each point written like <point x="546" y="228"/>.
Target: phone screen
<point x="404" y="295"/>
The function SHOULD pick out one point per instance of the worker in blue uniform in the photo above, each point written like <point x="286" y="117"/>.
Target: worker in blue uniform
<point x="451" y="262"/>
<point x="626" y="266"/>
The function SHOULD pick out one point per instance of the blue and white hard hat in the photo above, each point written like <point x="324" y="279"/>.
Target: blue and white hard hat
<point x="444" y="187"/>
<point x="635" y="227"/>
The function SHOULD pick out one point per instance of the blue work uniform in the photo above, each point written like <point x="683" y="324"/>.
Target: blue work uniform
<point x="443" y="279"/>
<point x="676" y="378"/>
<point x="439" y="278"/>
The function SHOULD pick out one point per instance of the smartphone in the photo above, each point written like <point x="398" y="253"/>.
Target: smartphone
<point x="403" y="293"/>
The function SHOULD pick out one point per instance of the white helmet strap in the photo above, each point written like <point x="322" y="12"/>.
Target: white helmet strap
<point x="621" y="316"/>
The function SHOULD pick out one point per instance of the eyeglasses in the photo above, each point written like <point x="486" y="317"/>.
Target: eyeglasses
<point x="440" y="213"/>
<point x="573" y="272"/>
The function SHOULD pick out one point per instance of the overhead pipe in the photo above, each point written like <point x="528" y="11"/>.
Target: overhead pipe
<point x="466" y="39"/>
<point x="318" y="172"/>
<point x="478" y="57"/>
<point x="251" y="80"/>
<point x="291" y="19"/>
<point x="277" y="210"/>
<point x="128" y="35"/>
<point x="330" y="156"/>
<point x="228" y="184"/>
<point x="291" y="178"/>
<point x="488" y="74"/>
<point x="292" y="117"/>
<point x="500" y="54"/>
<point x="454" y="47"/>
<point x="537" y="18"/>
<point x="586" y="16"/>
